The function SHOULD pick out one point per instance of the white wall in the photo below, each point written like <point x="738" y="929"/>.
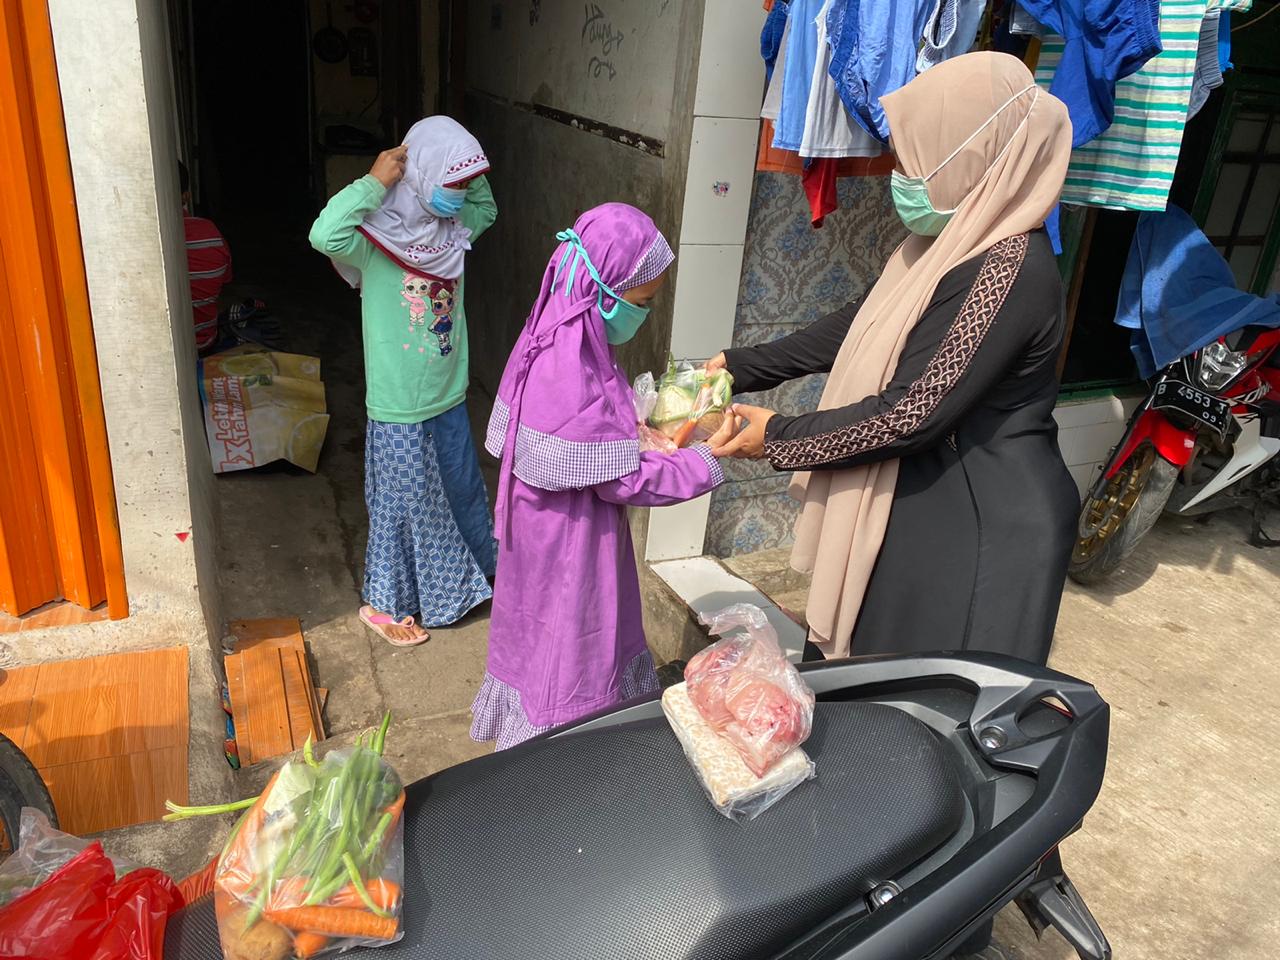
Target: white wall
<point x="713" y="224"/>
<point x="610" y="61"/>
<point x="1087" y="431"/>
<point x="123" y="148"/>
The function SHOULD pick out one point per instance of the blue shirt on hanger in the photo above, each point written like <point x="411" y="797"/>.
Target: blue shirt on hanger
<point x="1106" y="40"/>
<point x="874" y="47"/>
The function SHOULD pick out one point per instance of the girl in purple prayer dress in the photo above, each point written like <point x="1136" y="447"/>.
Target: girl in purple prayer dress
<point x="566" y="637"/>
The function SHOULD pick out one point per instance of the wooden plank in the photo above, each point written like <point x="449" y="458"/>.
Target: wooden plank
<point x="17" y="687"/>
<point x="298" y="704"/>
<point x="267" y="702"/>
<point x="112" y="792"/>
<point x="278" y="630"/>
<point x="234" y="668"/>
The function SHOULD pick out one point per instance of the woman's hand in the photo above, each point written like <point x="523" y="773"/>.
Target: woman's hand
<point x="722" y="436"/>
<point x="749" y="443"/>
<point x="716" y="363"/>
<point x="389" y="167"/>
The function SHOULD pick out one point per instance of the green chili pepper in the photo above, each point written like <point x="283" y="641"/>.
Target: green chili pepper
<point x="380" y="739"/>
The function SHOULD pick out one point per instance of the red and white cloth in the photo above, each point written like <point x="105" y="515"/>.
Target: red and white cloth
<point x="209" y="266"/>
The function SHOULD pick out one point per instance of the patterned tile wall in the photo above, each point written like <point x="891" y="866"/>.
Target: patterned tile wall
<point x="793" y="274"/>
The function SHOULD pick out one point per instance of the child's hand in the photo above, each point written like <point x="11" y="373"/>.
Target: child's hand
<point x="389" y="167"/>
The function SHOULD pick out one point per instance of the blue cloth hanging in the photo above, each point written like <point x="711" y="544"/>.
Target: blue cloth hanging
<point x="1178" y="294"/>
<point x="775" y="24"/>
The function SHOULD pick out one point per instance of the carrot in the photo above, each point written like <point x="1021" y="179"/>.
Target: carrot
<point x="384" y="893"/>
<point x="684" y="433"/>
<point x="307" y="944"/>
<point x="396" y="807"/>
<point x="336" y="922"/>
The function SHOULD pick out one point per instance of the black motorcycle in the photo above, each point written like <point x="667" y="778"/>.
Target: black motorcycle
<point x="944" y="787"/>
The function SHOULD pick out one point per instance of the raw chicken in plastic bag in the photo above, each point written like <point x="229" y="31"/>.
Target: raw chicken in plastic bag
<point x="728" y="782"/>
<point x="65" y="898"/>
<point x="316" y="865"/>
<point x="748" y="691"/>
<point x="691" y="403"/>
<point x="645" y="395"/>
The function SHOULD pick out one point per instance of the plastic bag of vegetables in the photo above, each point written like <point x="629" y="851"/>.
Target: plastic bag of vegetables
<point x="316" y="864"/>
<point x="644" y="394"/>
<point x="691" y="403"/>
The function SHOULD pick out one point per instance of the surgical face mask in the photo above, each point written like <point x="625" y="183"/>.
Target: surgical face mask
<point x="623" y="319"/>
<point x="911" y="194"/>
<point x="445" y="201"/>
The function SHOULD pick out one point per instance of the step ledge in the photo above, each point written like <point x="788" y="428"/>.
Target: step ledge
<point x="707" y="587"/>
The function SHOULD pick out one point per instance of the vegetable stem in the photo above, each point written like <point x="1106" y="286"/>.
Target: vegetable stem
<point x="179" y="812"/>
<point x="358" y="882"/>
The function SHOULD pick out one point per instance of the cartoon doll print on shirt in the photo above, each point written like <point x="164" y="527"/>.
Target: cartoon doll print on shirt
<point x="423" y="296"/>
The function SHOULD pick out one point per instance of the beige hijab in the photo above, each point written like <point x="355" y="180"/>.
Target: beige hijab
<point x="1001" y="183"/>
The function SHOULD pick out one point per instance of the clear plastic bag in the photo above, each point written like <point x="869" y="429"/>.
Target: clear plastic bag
<point x="728" y="782"/>
<point x="644" y="393"/>
<point x="42" y="850"/>
<point x="315" y="867"/>
<point x="691" y="404"/>
<point x="747" y="690"/>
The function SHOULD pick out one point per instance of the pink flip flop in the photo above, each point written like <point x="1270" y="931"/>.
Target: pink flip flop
<point x="378" y="623"/>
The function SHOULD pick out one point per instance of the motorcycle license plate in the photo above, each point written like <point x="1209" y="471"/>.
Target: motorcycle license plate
<point x="1205" y="407"/>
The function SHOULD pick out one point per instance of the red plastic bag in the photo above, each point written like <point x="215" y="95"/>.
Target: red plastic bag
<point x="82" y="911"/>
<point x="746" y="690"/>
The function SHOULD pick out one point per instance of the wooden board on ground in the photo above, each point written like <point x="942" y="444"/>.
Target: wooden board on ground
<point x="273" y="701"/>
<point x="108" y="734"/>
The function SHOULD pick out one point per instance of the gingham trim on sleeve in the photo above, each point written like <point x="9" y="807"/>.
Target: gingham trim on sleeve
<point x="551" y="463"/>
<point x="713" y="464"/>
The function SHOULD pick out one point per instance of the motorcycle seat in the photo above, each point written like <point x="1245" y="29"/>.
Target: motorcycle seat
<point x="601" y="843"/>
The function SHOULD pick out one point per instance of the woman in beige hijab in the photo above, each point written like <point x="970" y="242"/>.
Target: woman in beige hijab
<point x="938" y="513"/>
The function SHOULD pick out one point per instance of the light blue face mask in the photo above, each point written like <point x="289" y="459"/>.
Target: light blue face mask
<point x="623" y="319"/>
<point x="445" y="201"/>
<point x="911" y="194"/>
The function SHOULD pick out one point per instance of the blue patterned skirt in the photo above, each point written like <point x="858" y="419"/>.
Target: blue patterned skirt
<point x="431" y="548"/>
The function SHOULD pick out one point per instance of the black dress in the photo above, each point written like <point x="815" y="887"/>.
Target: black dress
<point x="983" y="518"/>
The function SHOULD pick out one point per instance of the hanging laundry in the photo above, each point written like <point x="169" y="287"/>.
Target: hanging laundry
<point x="1178" y="294"/>
<point x="1130" y="165"/>
<point x="829" y="130"/>
<point x="820" y="188"/>
<point x="1208" y="65"/>
<point x="1023" y="23"/>
<point x="874" y="48"/>
<point x="773" y="88"/>
<point x="1090" y="46"/>
<point x="950" y="31"/>
<point x="797" y="60"/>
<point x="775" y="25"/>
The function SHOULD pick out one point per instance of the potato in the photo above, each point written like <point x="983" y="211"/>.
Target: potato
<point x="263" y="941"/>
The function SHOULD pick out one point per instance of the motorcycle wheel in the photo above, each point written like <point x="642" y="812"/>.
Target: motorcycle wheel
<point x="20" y="786"/>
<point x="1112" y="525"/>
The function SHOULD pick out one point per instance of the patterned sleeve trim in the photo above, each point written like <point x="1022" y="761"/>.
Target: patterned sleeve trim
<point x="961" y="342"/>
<point x="717" y="471"/>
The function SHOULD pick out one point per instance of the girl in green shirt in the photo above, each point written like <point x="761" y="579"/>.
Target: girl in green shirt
<point x="399" y="235"/>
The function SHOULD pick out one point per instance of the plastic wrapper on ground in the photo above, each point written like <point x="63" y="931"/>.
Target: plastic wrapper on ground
<point x="316" y="866"/>
<point x="728" y="782"/>
<point x="747" y="691"/>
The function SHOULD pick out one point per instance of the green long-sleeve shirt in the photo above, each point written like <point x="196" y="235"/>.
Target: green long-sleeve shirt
<point x="415" y="357"/>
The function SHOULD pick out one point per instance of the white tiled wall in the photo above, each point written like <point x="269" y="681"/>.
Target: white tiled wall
<point x="713" y="228"/>
<point x="1087" y="431"/>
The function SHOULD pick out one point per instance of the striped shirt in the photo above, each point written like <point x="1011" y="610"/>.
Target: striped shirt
<point x="1130" y="165"/>
<point x="209" y="264"/>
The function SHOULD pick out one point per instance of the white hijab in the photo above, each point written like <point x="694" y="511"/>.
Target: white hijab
<point x="441" y="153"/>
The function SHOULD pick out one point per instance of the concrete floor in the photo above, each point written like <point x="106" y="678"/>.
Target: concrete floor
<point x="1179" y="857"/>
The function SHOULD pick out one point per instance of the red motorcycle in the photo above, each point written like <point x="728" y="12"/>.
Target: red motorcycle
<point x="1204" y="439"/>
